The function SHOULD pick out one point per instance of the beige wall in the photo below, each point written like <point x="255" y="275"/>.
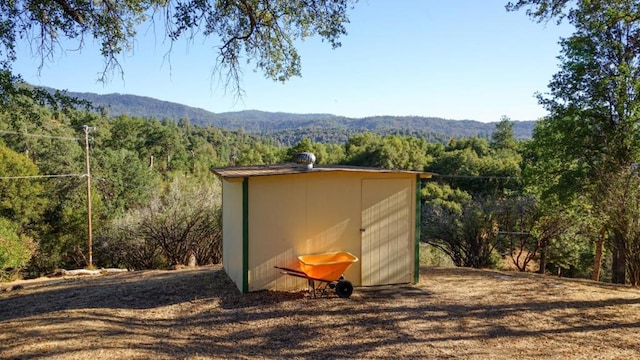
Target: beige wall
<point x="291" y="215"/>
<point x="232" y="230"/>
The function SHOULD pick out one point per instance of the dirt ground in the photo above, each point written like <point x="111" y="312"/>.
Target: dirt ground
<point x="453" y="313"/>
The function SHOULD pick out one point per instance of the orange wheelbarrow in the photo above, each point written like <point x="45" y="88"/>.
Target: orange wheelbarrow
<point x="327" y="269"/>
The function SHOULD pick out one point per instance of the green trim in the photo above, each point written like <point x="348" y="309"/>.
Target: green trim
<point x="416" y="269"/>
<point x="245" y="235"/>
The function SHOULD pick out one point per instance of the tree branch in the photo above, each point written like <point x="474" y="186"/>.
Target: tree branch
<point x="73" y="13"/>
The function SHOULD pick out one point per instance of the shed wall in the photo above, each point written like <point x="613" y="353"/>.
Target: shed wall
<point x="232" y="220"/>
<point x="292" y="215"/>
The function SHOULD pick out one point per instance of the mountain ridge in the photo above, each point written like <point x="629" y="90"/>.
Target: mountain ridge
<point x="275" y="124"/>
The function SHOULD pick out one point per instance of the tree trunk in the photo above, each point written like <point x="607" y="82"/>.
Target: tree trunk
<point x="618" y="267"/>
<point x="543" y="261"/>
<point x="597" y="263"/>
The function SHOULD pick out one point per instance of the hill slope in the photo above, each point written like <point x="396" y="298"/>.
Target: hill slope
<point x="283" y="125"/>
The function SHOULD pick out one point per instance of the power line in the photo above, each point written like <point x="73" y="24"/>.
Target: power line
<point x="40" y="176"/>
<point x="475" y="177"/>
<point x="39" y="135"/>
<point x="87" y="175"/>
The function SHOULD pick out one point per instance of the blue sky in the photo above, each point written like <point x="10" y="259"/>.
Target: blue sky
<point x="455" y="59"/>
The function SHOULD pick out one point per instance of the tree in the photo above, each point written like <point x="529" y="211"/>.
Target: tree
<point x="259" y="154"/>
<point x="21" y="197"/>
<point x="463" y="228"/>
<point x="593" y="125"/>
<point x="445" y="196"/>
<point x="529" y="230"/>
<point x="470" y="164"/>
<point x="362" y="149"/>
<point x="306" y="145"/>
<point x="502" y="137"/>
<point x="403" y="152"/>
<point x="122" y="179"/>
<point x="623" y="199"/>
<point x="263" y="31"/>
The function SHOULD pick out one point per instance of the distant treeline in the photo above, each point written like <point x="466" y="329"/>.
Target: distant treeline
<point x="290" y="128"/>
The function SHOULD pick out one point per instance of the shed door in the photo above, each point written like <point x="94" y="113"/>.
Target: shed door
<point x="386" y="232"/>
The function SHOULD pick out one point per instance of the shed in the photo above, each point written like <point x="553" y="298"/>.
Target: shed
<point x="272" y="214"/>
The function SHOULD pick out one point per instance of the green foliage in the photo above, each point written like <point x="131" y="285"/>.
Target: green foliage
<point x="13" y="90"/>
<point x="362" y="149"/>
<point x="622" y="199"/>
<point x="445" y="196"/>
<point x="15" y="249"/>
<point x="503" y="136"/>
<point x="335" y="154"/>
<point x="593" y="128"/>
<point x="471" y="165"/>
<point x="390" y="152"/>
<point x="465" y="208"/>
<point x="570" y="256"/>
<point x="123" y="180"/>
<point x="21" y="199"/>
<point x="325" y="153"/>
<point x="469" y="237"/>
<point x="304" y="145"/>
<point x="530" y="231"/>
<point x="401" y="152"/>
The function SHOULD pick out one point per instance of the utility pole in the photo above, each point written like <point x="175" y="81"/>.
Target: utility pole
<point x="86" y="156"/>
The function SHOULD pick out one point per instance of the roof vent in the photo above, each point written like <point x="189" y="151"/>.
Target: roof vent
<point x="306" y="160"/>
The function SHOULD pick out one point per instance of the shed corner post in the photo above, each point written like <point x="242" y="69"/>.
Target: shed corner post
<point x="245" y="235"/>
<point x="416" y="268"/>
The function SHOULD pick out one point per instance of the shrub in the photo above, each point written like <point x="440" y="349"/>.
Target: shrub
<point x="15" y="249"/>
<point x="184" y="221"/>
<point x="121" y="245"/>
<point x="468" y="235"/>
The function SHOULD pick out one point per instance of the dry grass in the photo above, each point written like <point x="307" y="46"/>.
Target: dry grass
<point x="452" y="313"/>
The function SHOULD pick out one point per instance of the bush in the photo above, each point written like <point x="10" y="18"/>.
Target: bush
<point x="468" y="235"/>
<point x="15" y="249"/>
<point x="183" y="222"/>
<point x="121" y="245"/>
<point x="432" y="256"/>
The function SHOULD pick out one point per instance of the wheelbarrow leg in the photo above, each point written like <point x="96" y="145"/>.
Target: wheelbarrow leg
<point x="312" y="287"/>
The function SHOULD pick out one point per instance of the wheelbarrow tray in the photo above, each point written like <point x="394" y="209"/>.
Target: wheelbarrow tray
<point x="328" y="266"/>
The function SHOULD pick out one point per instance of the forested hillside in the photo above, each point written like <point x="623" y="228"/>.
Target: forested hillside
<point x="290" y="128"/>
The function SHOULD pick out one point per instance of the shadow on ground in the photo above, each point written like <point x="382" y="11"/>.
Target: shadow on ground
<point x="200" y="314"/>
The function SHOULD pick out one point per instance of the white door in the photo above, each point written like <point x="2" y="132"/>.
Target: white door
<point x="387" y="242"/>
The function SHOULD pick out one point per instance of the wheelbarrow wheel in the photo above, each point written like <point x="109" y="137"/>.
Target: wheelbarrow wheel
<point x="344" y="289"/>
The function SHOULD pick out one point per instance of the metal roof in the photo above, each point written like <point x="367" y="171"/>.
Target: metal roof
<point x="289" y="169"/>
